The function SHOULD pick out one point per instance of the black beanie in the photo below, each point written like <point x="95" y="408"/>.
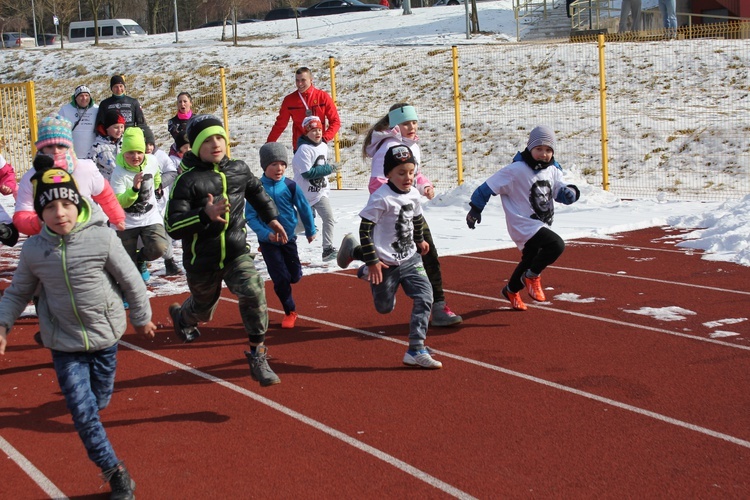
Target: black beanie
<point x="54" y="184"/>
<point x="200" y="128"/>
<point x="148" y="134"/>
<point x="180" y="140"/>
<point x="111" y="117"/>
<point x="397" y="155"/>
<point x="115" y="80"/>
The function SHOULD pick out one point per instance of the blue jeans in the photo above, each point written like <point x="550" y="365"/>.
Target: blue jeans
<point x="413" y="279"/>
<point x="87" y="380"/>
<point x="667" y="9"/>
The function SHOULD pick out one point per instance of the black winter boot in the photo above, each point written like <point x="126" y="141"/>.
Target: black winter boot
<point x="171" y="268"/>
<point x="120" y="482"/>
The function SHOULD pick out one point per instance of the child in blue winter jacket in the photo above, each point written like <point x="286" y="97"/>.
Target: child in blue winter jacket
<point x="528" y="188"/>
<point x="282" y="259"/>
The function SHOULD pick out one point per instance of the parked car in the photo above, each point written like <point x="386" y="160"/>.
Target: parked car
<point x="245" y="21"/>
<point x="447" y="2"/>
<point x="213" y="24"/>
<point x="286" y="13"/>
<point x="16" y="40"/>
<point x="341" y="7"/>
<point x="44" y="39"/>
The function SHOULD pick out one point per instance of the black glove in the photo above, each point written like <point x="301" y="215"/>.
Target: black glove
<point x="473" y="217"/>
<point x="43" y="162"/>
<point x="8" y="234"/>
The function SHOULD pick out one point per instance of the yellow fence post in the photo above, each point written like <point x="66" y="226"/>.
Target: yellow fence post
<point x="603" y="106"/>
<point x="457" y="109"/>
<point x="336" y="148"/>
<point x="224" y="105"/>
<point x="31" y="105"/>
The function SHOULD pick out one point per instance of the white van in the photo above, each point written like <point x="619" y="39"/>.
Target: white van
<point x="109" y="29"/>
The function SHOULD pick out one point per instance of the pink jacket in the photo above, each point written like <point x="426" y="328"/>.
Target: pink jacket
<point x="379" y="144"/>
<point x="8" y="176"/>
<point x="91" y="184"/>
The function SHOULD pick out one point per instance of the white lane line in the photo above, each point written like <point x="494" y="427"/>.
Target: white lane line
<point x="554" y="385"/>
<point x="685" y="251"/>
<point x="637" y="326"/>
<point x="611" y="321"/>
<point x="389" y="459"/>
<point x="35" y="474"/>
<point x="615" y="275"/>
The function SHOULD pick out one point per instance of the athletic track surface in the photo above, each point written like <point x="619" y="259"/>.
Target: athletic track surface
<point x="570" y="399"/>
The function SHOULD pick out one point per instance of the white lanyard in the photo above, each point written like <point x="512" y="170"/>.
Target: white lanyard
<point x="308" y="111"/>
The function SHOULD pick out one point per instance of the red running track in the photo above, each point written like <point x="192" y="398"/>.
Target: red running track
<point x="580" y="396"/>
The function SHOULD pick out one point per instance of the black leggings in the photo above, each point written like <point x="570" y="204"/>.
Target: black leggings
<point x="539" y="252"/>
<point x="432" y="266"/>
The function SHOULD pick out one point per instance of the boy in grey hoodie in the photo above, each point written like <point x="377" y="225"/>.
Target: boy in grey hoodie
<point x="76" y="260"/>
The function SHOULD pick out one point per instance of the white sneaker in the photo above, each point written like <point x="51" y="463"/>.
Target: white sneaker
<point x="421" y="359"/>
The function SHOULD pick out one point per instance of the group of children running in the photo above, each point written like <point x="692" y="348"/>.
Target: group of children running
<point x="81" y="272"/>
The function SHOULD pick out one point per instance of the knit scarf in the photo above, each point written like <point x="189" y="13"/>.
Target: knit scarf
<point x="66" y="161"/>
<point x="535" y="164"/>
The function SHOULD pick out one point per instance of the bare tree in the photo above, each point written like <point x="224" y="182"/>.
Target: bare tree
<point x="95" y="5"/>
<point x="13" y="17"/>
<point x="66" y="11"/>
<point x="295" y="5"/>
<point x="474" y="17"/>
<point x="154" y="9"/>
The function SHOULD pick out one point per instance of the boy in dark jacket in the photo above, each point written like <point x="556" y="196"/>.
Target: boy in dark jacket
<point x="206" y="210"/>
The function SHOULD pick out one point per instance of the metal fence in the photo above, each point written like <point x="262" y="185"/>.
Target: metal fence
<point x="17" y="124"/>
<point x="676" y="119"/>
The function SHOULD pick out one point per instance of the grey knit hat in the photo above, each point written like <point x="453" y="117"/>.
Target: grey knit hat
<point x="271" y="152"/>
<point x="541" y="136"/>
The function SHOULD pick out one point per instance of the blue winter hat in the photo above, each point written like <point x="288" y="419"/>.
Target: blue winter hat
<point x="402" y="114"/>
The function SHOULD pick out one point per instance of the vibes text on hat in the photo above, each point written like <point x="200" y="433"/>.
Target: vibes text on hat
<point x="54" y="184"/>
